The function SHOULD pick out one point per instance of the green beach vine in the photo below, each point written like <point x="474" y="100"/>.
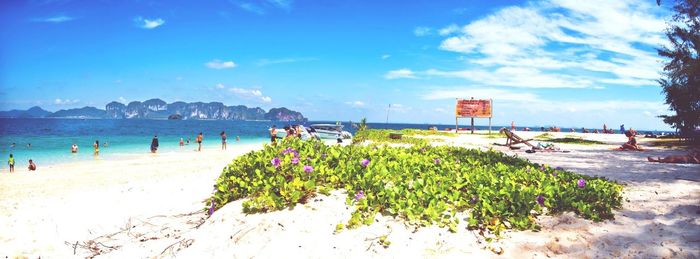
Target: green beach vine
<point x="423" y="185"/>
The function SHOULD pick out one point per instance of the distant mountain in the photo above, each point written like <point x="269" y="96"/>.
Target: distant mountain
<point x="34" y="112"/>
<point x="82" y="113"/>
<point x="159" y="109"/>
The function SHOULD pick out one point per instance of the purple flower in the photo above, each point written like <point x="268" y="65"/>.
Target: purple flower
<point x="359" y="195"/>
<point x="364" y="162"/>
<point x="540" y="200"/>
<point x="290" y="150"/>
<point x="474" y="199"/>
<point x="437" y="161"/>
<point x="276" y="162"/>
<point x="559" y="168"/>
<point x="581" y="183"/>
<point x="211" y="209"/>
<point x="542" y="168"/>
<point x="308" y="168"/>
<point x="295" y="160"/>
<point x="554" y="173"/>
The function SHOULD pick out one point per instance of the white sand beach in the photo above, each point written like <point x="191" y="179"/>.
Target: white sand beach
<point x="151" y="206"/>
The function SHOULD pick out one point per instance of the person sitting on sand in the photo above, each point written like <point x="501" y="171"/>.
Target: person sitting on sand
<point x="631" y="144"/>
<point x="154" y="144"/>
<point x="693" y="157"/>
<point x="74" y="148"/>
<point x="11" y="163"/>
<point x="199" y="140"/>
<point x="32" y="166"/>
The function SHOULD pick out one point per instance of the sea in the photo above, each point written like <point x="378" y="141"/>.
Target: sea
<point x="51" y="139"/>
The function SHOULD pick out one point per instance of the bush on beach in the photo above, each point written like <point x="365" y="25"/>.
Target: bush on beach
<point x="423" y="185"/>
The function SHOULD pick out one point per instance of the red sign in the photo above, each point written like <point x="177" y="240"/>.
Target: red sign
<point x="468" y="108"/>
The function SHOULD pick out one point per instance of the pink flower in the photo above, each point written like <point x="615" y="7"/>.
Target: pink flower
<point x="295" y="160"/>
<point x="308" y="168"/>
<point x="581" y="183"/>
<point x="364" y="162"/>
<point x="276" y="162"/>
<point x="359" y="195"/>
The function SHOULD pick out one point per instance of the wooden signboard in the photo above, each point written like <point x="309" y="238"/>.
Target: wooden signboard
<point x="467" y="108"/>
<point x="471" y="108"/>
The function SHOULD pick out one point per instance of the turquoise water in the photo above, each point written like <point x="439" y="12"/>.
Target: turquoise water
<point x="51" y="139"/>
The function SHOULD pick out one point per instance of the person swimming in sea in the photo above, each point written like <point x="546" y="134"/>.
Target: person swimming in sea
<point x="154" y="144"/>
<point x="105" y="144"/>
<point x="11" y="163"/>
<point x="32" y="165"/>
<point x="223" y="140"/>
<point x="96" y="145"/>
<point x="74" y="148"/>
<point x="199" y="140"/>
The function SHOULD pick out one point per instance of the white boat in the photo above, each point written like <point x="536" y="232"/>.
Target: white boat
<point x="329" y="131"/>
<point x="305" y="134"/>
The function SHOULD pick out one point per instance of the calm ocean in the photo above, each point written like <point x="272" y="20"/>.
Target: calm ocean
<point x="51" y="139"/>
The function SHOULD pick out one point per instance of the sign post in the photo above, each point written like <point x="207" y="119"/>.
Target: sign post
<point x="471" y="108"/>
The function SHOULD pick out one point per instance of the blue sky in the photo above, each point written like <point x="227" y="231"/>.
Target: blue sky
<point x="554" y="62"/>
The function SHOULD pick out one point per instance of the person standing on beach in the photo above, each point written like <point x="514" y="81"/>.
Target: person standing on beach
<point x="622" y="128"/>
<point x="32" y="166"/>
<point x="182" y="142"/>
<point x="512" y="125"/>
<point x="11" y="163"/>
<point x="74" y="148"/>
<point x="154" y="144"/>
<point x="238" y="138"/>
<point x="223" y="140"/>
<point x="96" y="145"/>
<point x="200" y="137"/>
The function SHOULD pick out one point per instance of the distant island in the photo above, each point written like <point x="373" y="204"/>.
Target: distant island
<point x="159" y="109"/>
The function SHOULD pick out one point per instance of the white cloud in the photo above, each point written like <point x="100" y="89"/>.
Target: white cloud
<point x="451" y="93"/>
<point x="400" y="73"/>
<point x="148" y="23"/>
<point x="556" y="41"/>
<point x="244" y="93"/>
<point x="220" y="86"/>
<point x="284" y="4"/>
<point x="252" y="8"/>
<point x="60" y="101"/>
<point x="386" y="56"/>
<point x="421" y="31"/>
<point x="356" y="104"/>
<point x="54" y="19"/>
<point x="121" y="99"/>
<point x="452" y="28"/>
<point x="265" y="62"/>
<point x="397" y="107"/>
<point x="218" y="64"/>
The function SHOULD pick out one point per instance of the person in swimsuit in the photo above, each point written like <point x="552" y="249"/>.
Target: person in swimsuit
<point x="32" y="166"/>
<point x="693" y="157"/>
<point x="74" y="148"/>
<point x="631" y="144"/>
<point x="154" y="144"/>
<point x="11" y="163"/>
<point x="223" y="140"/>
<point x="182" y="142"/>
<point x="199" y="139"/>
<point x="273" y="134"/>
<point x="96" y="145"/>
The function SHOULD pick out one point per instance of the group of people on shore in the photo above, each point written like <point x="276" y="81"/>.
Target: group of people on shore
<point x="199" y="139"/>
<point x="11" y="163"/>
<point x="294" y="131"/>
